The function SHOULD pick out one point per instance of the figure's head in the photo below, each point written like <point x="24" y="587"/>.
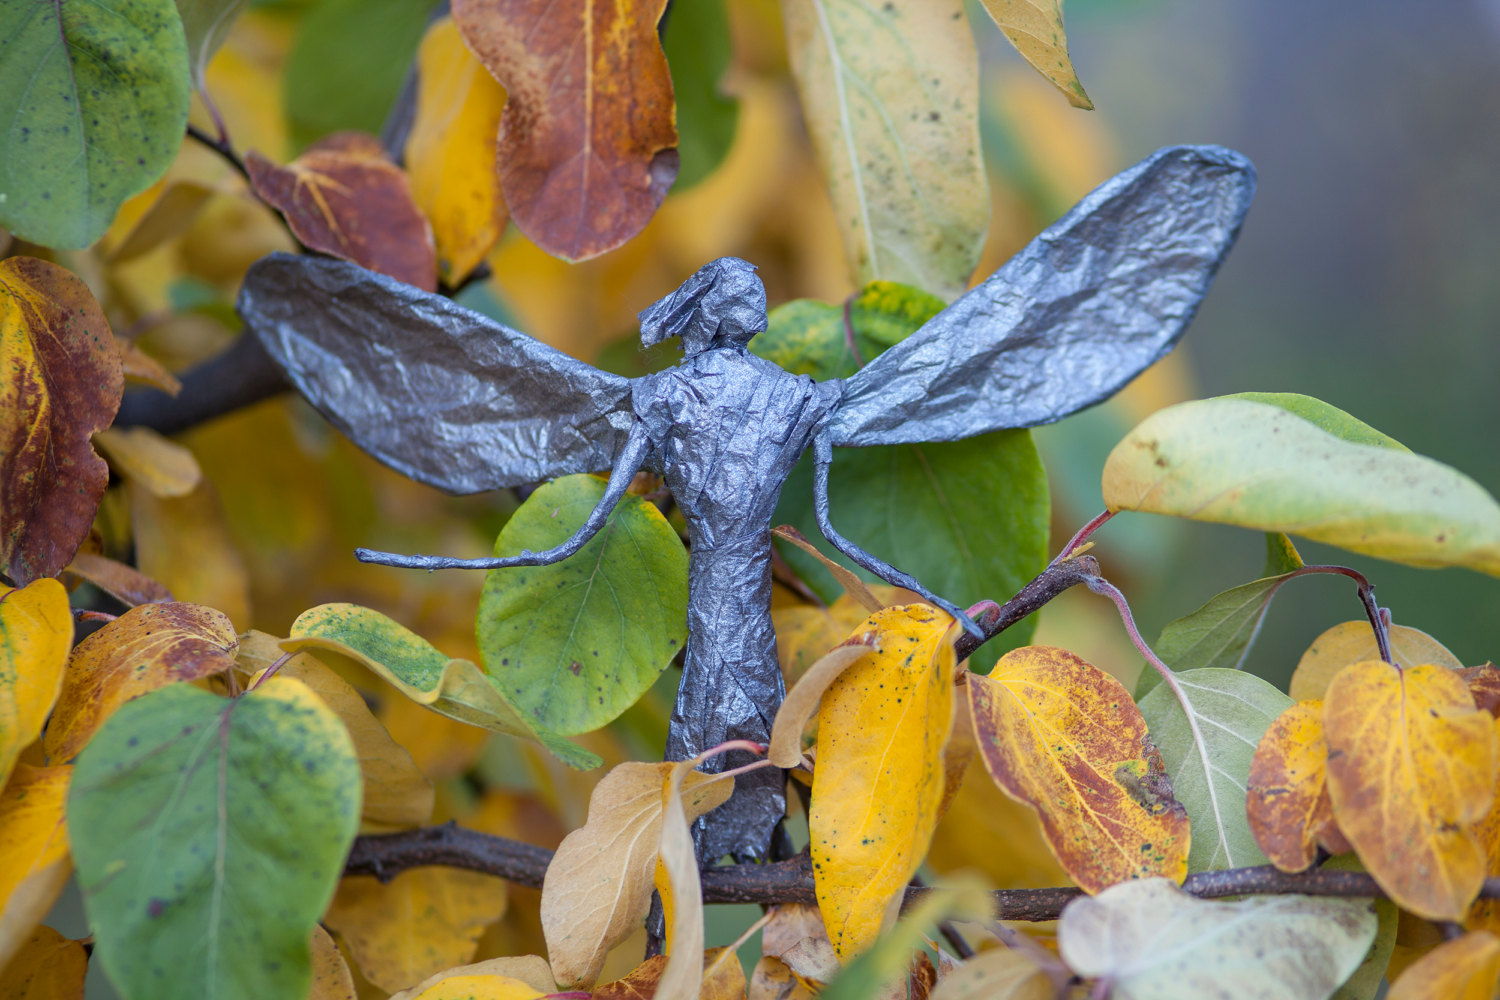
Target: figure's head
<point x="722" y="303"/>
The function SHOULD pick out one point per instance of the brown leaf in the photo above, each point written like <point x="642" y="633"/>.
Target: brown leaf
<point x="61" y="384"/>
<point x="587" y="145"/>
<point x="598" y="885"/>
<point x="1286" y="799"/>
<point x="343" y="197"/>
<point x="48" y="966"/>
<point x="125" y="583"/>
<point x="34" y="859"/>
<point x="144" y="649"/>
<point x="1066" y="738"/>
<point x="1484" y="685"/>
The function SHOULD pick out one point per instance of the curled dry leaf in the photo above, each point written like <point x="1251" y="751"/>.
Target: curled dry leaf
<point x="1286" y="798"/>
<point x="450" y="153"/>
<point x="343" y="197"/>
<point x="34" y="861"/>
<point x="125" y="584"/>
<point x="1155" y="942"/>
<point x="396" y="792"/>
<point x="587" y="146"/>
<point x="802" y="700"/>
<point x="598" y="885"/>
<point x="163" y="467"/>
<point x="36" y="632"/>
<point x="146" y="648"/>
<point x="531" y="970"/>
<point x="1354" y="642"/>
<point x="419" y="923"/>
<point x="1467" y="968"/>
<point x="46" y="966"/>
<point x="796" y="936"/>
<point x="1411" y="768"/>
<point x="1066" y="738"/>
<point x="62" y="383"/>
<point x="881" y="730"/>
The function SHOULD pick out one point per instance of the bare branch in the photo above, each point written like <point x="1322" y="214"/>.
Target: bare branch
<point x="242" y="375"/>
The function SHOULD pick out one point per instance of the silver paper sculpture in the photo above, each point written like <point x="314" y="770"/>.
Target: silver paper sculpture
<point x="459" y="401"/>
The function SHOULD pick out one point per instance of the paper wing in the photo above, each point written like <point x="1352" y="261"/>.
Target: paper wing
<point x="436" y="391"/>
<point x="1089" y="304"/>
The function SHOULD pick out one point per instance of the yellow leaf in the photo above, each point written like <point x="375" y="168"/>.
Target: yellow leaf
<point x="1354" y="642"/>
<point x="531" y="970"/>
<point x="161" y="213"/>
<point x="1466" y="968"/>
<point x="772" y="980"/>
<point x="598" y="885"/>
<point x="1001" y="974"/>
<point x="396" y="793"/>
<point x="1411" y="767"/>
<point x="1035" y="28"/>
<point x="1287" y="800"/>
<point x="163" y="467"/>
<point x="802" y="700"/>
<point x="879" y="775"/>
<point x="141" y="367"/>
<point x="450" y="154"/>
<point x="34" y="860"/>
<point x="1066" y="738"/>
<point x="36" y="632"/>
<point x="146" y="648"/>
<point x="796" y="936"/>
<point x="805" y="632"/>
<point x="682" y="978"/>
<point x="48" y="966"/>
<point x="331" y="977"/>
<point x="479" y="988"/>
<point x="184" y="543"/>
<point x="421" y="922"/>
<point x="1485" y="913"/>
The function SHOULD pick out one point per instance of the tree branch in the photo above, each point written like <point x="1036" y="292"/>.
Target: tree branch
<point x="389" y="854"/>
<point x="243" y="374"/>
<point x="1047" y="584"/>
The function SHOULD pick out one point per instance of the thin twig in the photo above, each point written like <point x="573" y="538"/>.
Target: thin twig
<point x="220" y="146"/>
<point x="1056" y="578"/>
<point x="1082" y="535"/>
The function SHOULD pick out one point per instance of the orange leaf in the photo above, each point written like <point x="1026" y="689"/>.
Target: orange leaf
<point x="36" y="632"/>
<point x="125" y="583"/>
<point x="48" y="966"/>
<point x="1466" y="968"/>
<point x="451" y="151"/>
<point x="1066" y="738"/>
<point x="1287" y="800"/>
<point x="588" y="139"/>
<point x="62" y="383"/>
<point x="343" y="197"/>
<point x="34" y="860"/>
<point x="879" y="775"/>
<point x="144" y="649"/>
<point x="1411" y="768"/>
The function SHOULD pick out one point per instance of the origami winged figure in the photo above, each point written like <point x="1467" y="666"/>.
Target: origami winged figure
<point x="456" y="400"/>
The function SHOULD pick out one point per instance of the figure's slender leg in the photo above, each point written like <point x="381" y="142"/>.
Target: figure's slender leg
<point x="626" y="466"/>
<point x="822" y="459"/>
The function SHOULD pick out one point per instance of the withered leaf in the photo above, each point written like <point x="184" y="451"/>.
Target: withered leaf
<point x="1286" y="798"/>
<point x="588" y="141"/>
<point x="343" y="197"/>
<point x="1066" y="738"/>
<point x="125" y="583"/>
<point x="146" y="648"/>
<point x="62" y="383"/>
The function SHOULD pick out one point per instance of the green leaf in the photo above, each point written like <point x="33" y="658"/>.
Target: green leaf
<point x="348" y="63"/>
<point x="696" y="42"/>
<point x="576" y="643"/>
<point x="1330" y="418"/>
<point x="452" y="687"/>
<point x="967" y="518"/>
<point x="207" y="24"/>
<point x="1281" y="555"/>
<point x="1365" y="981"/>
<point x="1207" y="750"/>
<point x="1153" y="941"/>
<point x="1255" y="465"/>
<point x="209" y="835"/>
<point x="95" y="101"/>
<point x="1035" y="28"/>
<point x="890" y="94"/>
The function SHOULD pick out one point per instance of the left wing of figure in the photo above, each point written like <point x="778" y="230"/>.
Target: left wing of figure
<point x="1092" y="302"/>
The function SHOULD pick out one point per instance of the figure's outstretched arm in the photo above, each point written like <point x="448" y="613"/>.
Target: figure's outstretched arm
<point x="822" y="459"/>
<point x="626" y="466"/>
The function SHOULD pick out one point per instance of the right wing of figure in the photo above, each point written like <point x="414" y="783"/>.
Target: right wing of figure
<point x="1092" y="302"/>
<point x="436" y="391"/>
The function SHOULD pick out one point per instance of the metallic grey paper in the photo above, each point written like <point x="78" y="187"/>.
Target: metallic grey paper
<point x="459" y="401"/>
